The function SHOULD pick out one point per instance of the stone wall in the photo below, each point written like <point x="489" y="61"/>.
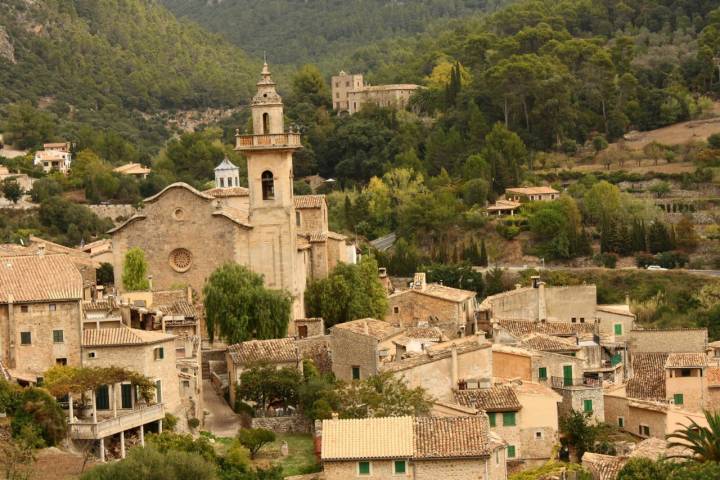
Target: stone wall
<point x="680" y="340"/>
<point x="317" y="349"/>
<point x="293" y="424"/>
<point x="352" y="349"/>
<point x="616" y="407"/>
<point x="410" y="307"/>
<point x="653" y="418"/>
<point x="116" y="213"/>
<point x="509" y="365"/>
<point x="554" y="363"/>
<point x="573" y="398"/>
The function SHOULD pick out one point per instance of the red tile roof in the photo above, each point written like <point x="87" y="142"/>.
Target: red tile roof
<point x="648" y="382"/>
<point x="452" y="437"/>
<point x="499" y="398"/>
<point x="39" y="278"/>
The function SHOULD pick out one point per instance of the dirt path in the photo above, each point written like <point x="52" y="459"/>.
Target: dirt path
<point x="220" y="419"/>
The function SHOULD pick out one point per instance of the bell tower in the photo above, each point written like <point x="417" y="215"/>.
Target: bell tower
<point x="271" y="212"/>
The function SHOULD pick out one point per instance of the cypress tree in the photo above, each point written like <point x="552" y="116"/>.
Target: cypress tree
<point x="483" y="260"/>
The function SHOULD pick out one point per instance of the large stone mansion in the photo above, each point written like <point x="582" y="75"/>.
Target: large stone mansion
<point x="187" y="234"/>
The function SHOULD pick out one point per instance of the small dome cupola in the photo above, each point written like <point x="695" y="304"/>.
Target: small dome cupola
<point x="227" y="174"/>
<point x="267" y="106"/>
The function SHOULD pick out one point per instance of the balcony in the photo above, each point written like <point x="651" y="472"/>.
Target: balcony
<point x="569" y="383"/>
<point x="124" y="421"/>
<point x="278" y="141"/>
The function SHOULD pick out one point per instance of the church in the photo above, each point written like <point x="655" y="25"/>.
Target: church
<point x="186" y="234"/>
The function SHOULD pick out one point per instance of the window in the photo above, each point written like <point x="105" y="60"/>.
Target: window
<point x="186" y="385"/>
<point x="180" y="260"/>
<point x="621" y="422"/>
<point x="587" y="406"/>
<point x="39" y="381"/>
<point x="268" y="185"/>
<point x="61" y="361"/>
<point x="24" y="308"/>
<point x="618" y="329"/>
<point x="538" y="435"/>
<point x="399" y="466"/>
<point x="102" y="398"/>
<point x="52" y="307"/>
<point x="493" y="419"/>
<point x="582" y="319"/>
<point x="573" y="320"/>
<point x="678" y="399"/>
<point x="644" y="430"/>
<point x="363" y="468"/>
<point x="297" y="218"/>
<point x="396" y="309"/>
<point x="511" y="451"/>
<point x="542" y="373"/>
<point x="58" y="336"/>
<point x="508" y="419"/>
<point x="685" y="372"/>
<point x="222" y="182"/>
<point x="159" y="353"/>
<point x="25" y="338"/>
<point x="347" y="84"/>
<point x="356" y="373"/>
<point x="158" y="391"/>
<point x="92" y="354"/>
<point x="266" y="123"/>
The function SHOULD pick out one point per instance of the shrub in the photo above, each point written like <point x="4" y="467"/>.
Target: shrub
<point x="607" y="260"/>
<point x="714" y="140"/>
<point x="255" y="438"/>
<point x="193" y="423"/>
<point x="169" y="422"/>
<point x="508" y="232"/>
<point x="643" y="260"/>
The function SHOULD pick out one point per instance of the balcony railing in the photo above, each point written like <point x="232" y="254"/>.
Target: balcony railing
<point x="273" y="140"/>
<point x="124" y="421"/>
<point x="566" y="382"/>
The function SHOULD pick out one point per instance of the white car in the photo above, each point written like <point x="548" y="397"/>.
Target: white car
<point x="655" y="267"/>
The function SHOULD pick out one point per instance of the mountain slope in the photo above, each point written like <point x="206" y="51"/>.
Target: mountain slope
<point x="299" y="31"/>
<point x="102" y="61"/>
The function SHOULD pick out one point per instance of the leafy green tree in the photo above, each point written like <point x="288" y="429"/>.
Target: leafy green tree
<point x="254" y="439"/>
<point x="27" y="127"/>
<point x="460" y="275"/>
<point x="38" y="410"/>
<point x="686" y="237"/>
<point x="494" y="281"/>
<point x="69" y="223"/>
<point x="135" y="271"/>
<point x="505" y="152"/>
<point x="12" y="190"/>
<point x="239" y="307"/>
<point x="644" y="469"/>
<point x="602" y="201"/>
<point x="599" y="144"/>
<point x="578" y="433"/>
<point x="475" y="192"/>
<point x="348" y="293"/>
<point x="45" y="188"/>
<point x="264" y="384"/>
<point x="660" y="188"/>
<point x="383" y="395"/>
<point x="659" y="239"/>
<point x="702" y="442"/>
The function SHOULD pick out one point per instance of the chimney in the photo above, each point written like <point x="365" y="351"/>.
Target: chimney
<point x="150" y="285"/>
<point x="419" y="281"/>
<point x="41" y="250"/>
<point x="542" y="304"/>
<point x="335" y="416"/>
<point x="366" y="329"/>
<point x="188" y="292"/>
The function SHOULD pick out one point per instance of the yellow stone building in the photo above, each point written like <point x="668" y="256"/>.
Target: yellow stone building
<point x="187" y="234"/>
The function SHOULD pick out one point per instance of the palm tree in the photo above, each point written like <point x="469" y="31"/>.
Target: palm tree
<point x="702" y="443"/>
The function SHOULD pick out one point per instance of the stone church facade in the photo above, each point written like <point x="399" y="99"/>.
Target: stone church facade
<point x="187" y="234"/>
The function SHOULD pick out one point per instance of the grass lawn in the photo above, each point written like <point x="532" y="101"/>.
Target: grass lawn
<point x="301" y="454"/>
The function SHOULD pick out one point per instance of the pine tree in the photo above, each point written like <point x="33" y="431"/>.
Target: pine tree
<point x="659" y="238"/>
<point x="349" y="214"/>
<point x="639" y="240"/>
<point x="483" y="260"/>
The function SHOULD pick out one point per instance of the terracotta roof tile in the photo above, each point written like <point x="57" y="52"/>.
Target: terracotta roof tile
<point x="106" y="337"/>
<point x="228" y="192"/>
<point x="686" y="360"/>
<point x="39" y="278"/>
<point x="499" y="398"/>
<point x="603" y="467"/>
<point x="178" y="308"/>
<point x="451" y="437"/>
<point x="521" y="328"/>
<point x="656" y="449"/>
<point x="548" y="343"/>
<point x="432" y="354"/>
<point x="99" y="306"/>
<point x="423" y="332"/>
<point x="439" y="291"/>
<point x="309" y="201"/>
<point x="132" y="169"/>
<point x="531" y="190"/>
<point x="277" y="350"/>
<point x="648" y="382"/>
<point x="386" y="437"/>
<point x="378" y="329"/>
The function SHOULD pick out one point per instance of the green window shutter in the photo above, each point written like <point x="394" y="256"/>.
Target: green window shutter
<point x="158" y="391"/>
<point x="126" y="395"/>
<point x="102" y="398"/>
<point x="511" y="451"/>
<point x="400" y="466"/>
<point x="617" y="358"/>
<point x="25" y="338"/>
<point x="493" y="420"/>
<point x="678" y="398"/>
<point x="356" y="373"/>
<point x="542" y="373"/>
<point x="588" y="406"/>
<point x="58" y="336"/>
<point x="508" y="419"/>
<point x="618" y="329"/>
<point x="364" y="468"/>
<point x="161" y="353"/>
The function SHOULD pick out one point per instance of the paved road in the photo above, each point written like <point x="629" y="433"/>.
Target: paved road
<point x="220" y="419"/>
<point x="519" y="268"/>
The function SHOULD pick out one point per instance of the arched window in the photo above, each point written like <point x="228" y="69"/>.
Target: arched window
<point x="266" y="123"/>
<point x="268" y="185"/>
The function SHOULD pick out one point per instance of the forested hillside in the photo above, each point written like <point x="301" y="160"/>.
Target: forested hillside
<point x="308" y="31"/>
<point x="109" y="63"/>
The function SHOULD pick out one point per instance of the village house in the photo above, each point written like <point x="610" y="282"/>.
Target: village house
<point x="101" y="314"/>
<point x="523" y="414"/>
<point x="23" y="180"/>
<point x="452" y="448"/>
<point x="607" y="467"/>
<point x="100" y="251"/>
<point x="256" y="226"/>
<point x="277" y="353"/>
<point x="350" y="93"/>
<point x="359" y="347"/>
<point x="668" y="340"/>
<point x="446" y="366"/>
<point x="531" y="194"/>
<point x="436" y="305"/>
<point x="40" y="314"/>
<point x="136" y="170"/>
<point x="54" y="157"/>
<point x="503" y="207"/>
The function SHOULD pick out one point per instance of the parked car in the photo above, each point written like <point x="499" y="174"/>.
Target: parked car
<point x="655" y="267"/>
